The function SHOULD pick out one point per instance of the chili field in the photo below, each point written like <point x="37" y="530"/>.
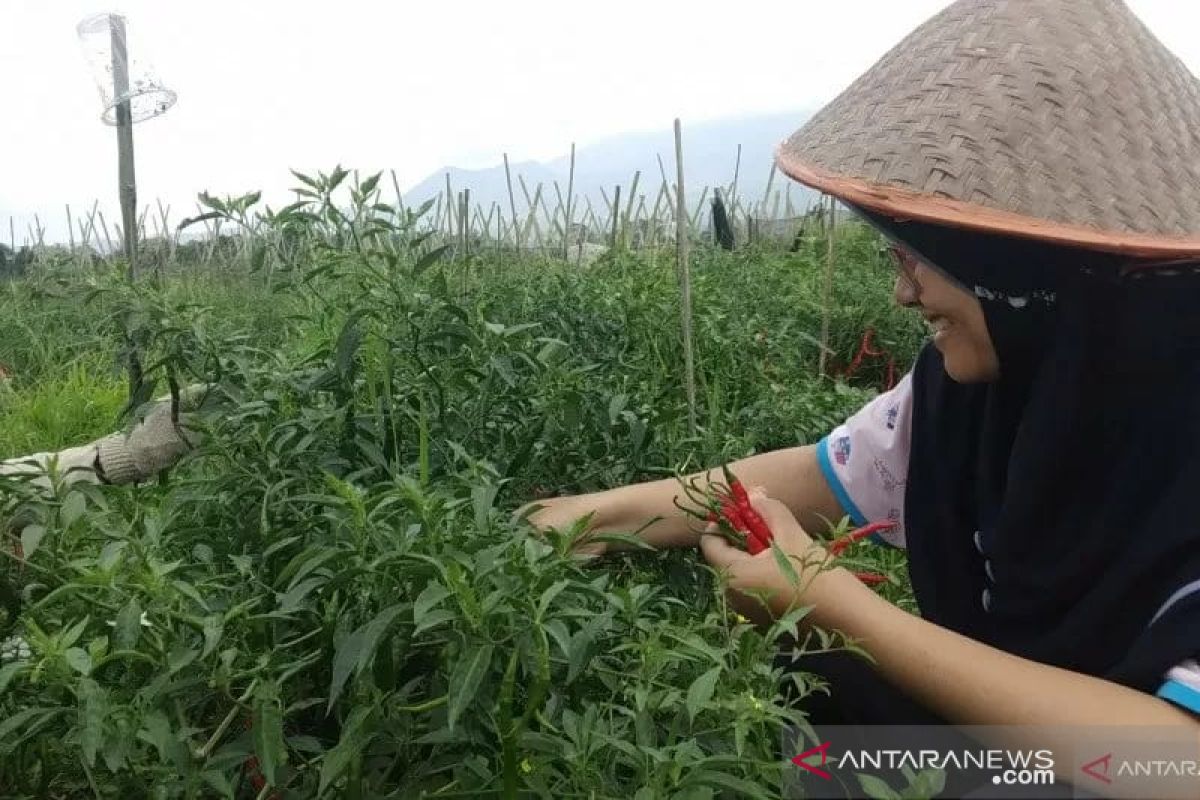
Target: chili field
<point x="331" y="596"/>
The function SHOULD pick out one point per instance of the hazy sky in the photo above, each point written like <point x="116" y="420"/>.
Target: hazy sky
<point x="265" y="85"/>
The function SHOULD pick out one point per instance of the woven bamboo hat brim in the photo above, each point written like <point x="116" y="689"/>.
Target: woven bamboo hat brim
<point x="1060" y="120"/>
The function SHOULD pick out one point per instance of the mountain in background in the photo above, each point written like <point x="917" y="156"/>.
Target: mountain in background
<point x="710" y="153"/>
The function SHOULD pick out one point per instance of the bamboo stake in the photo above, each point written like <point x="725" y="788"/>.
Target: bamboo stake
<point x="681" y="254"/>
<point x="570" y="193"/>
<point x="770" y="183"/>
<point x="737" y="167"/>
<point x="107" y="238"/>
<point x="464" y="219"/>
<point x="827" y="299"/>
<point x="694" y="219"/>
<point x="637" y="218"/>
<point x="512" y="203"/>
<point x="629" y="207"/>
<point x="616" y="218"/>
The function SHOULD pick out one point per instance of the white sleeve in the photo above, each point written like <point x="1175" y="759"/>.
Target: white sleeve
<point x="865" y="461"/>
<point x="73" y="464"/>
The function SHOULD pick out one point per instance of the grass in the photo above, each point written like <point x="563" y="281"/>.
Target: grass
<point x="334" y="586"/>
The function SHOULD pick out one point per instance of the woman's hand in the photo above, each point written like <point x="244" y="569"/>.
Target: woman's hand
<point x="563" y="513"/>
<point x="762" y="574"/>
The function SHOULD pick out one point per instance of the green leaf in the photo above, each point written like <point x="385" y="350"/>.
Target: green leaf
<point x="357" y="650"/>
<point x="742" y="787"/>
<point x="482" y="498"/>
<point x="205" y="217"/>
<point x="128" y="626"/>
<point x="74" y="507"/>
<point x="701" y="691"/>
<point x="785" y="564"/>
<point x="268" y="730"/>
<point x="71" y="636"/>
<point x="213" y="628"/>
<point x="311" y="183"/>
<point x="31" y="537"/>
<point x="876" y="788"/>
<point x="156" y="731"/>
<point x="189" y="591"/>
<point x="14" y="722"/>
<point x="291" y="600"/>
<point x="465" y="681"/>
<point x="369" y="184"/>
<point x="110" y="555"/>
<point x="433" y="593"/>
<point x="336" y="179"/>
<point x="615" y="406"/>
<point x="218" y="782"/>
<point x="433" y="619"/>
<point x="208" y="200"/>
<point x="927" y="783"/>
<point x="429" y="259"/>
<point x="349" y="747"/>
<point x="78" y="660"/>
<point x="8" y="672"/>
<point x="548" y="596"/>
<point x="180" y="656"/>
<point x="92" y="712"/>
<point x="348" y="342"/>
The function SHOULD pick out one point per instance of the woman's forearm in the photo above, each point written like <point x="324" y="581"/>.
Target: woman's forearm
<point x="792" y="475"/>
<point x="970" y="683"/>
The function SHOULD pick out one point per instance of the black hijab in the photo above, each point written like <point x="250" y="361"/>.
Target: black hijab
<point x="1079" y="467"/>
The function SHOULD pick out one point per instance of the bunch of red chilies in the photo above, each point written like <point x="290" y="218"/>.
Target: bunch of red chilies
<point x="728" y="505"/>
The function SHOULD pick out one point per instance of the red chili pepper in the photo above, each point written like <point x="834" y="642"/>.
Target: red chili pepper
<point x="759" y="530"/>
<point x="839" y="545"/>
<point x="745" y="517"/>
<point x="739" y="492"/>
<point x="870" y="578"/>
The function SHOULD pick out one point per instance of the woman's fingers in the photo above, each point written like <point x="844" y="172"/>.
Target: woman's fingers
<point x="718" y="552"/>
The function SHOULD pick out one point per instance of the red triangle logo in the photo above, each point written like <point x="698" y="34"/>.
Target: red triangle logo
<point x="1096" y="770"/>
<point x="823" y="749"/>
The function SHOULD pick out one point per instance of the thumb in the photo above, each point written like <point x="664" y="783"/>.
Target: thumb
<point x="718" y="552"/>
<point x="774" y="512"/>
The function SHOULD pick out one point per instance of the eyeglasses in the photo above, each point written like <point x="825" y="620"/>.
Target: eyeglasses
<point x="905" y="264"/>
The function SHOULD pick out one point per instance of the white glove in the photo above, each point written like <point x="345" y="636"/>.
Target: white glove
<point x="154" y="444"/>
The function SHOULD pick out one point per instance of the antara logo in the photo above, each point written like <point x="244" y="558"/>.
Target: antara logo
<point x="1098" y="769"/>
<point x="823" y="749"/>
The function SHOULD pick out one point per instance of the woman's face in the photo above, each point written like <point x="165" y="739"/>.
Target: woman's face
<point x="956" y="318"/>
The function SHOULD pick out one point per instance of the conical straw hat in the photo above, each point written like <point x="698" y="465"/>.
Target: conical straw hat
<point x="1060" y="120"/>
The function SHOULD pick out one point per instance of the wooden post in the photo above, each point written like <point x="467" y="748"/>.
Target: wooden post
<point x="827" y="299"/>
<point x="681" y="254"/>
<point x="624" y="232"/>
<point x="762" y="207"/>
<point x="451" y="209"/>
<point x="464" y="211"/>
<point x="616" y="218"/>
<point x="127" y="182"/>
<point x="512" y="203"/>
<point x="570" y="192"/>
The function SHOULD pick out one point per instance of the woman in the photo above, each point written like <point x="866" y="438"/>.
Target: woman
<point x="1036" y="164"/>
